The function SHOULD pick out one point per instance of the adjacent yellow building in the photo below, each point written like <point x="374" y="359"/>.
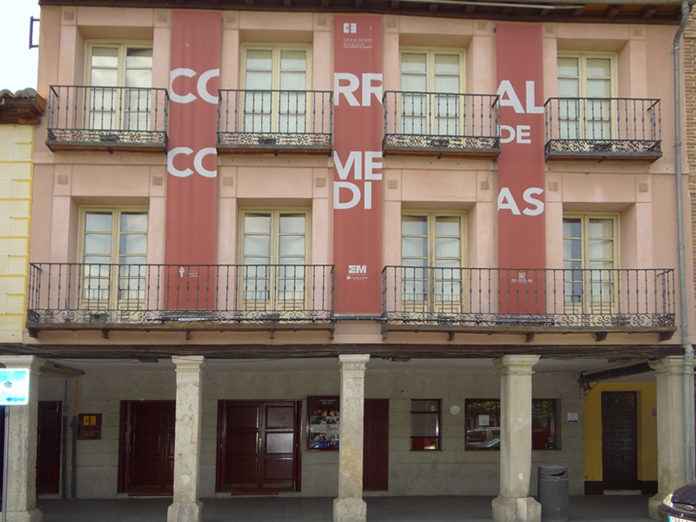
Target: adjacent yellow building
<point x="19" y="112"/>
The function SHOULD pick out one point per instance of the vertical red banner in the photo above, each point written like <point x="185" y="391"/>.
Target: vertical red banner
<point x="192" y="186"/>
<point x="521" y="200"/>
<point x="357" y="185"/>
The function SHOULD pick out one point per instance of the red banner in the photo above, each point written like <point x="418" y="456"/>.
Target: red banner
<point x="357" y="185"/>
<point x="192" y="186"/>
<point x="521" y="217"/>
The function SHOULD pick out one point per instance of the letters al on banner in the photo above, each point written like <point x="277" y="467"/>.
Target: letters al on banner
<point x="14" y="387"/>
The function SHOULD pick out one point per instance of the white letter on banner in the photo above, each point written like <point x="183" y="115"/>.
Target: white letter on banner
<point x="506" y="89"/>
<point x="506" y="201"/>
<point x="354" y="162"/>
<point x="198" y="162"/>
<point x="355" y="199"/>
<point x="371" y="165"/>
<point x="528" y="196"/>
<point x="369" y="90"/>
<point x="532" y="107"/>
<point x="173" y="75"/>
<point x="346" y="90"/>
<point x="171" y="155"/>
<point x="203" y="91"/>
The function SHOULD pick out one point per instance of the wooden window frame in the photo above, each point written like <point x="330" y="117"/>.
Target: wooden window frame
<point x="275" y="213"/>
<point x="586" y="305"/>
<point x="123" y="46"/>
<point x="438" y="437"/>
<point x="557" y="413"/>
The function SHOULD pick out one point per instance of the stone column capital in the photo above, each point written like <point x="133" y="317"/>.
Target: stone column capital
<point x="517" y="364"/>
<point x="353" y="362"/>
<point x="22" y="361"/>
<point x="673" y="365"/>
<point x="188" y="362"/>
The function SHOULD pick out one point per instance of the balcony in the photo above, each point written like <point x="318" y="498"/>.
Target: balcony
<point x="79" y="296"/>
<point x="107" y="118"/>
<point x="496" y="300"/>
<point x="441" y="123"/>
<point x="275" y="121"/>
<point x="603" y="128"/>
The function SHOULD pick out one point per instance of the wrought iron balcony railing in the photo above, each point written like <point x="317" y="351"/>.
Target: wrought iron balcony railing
<point x="536" y="300"/>
<point x="627" y="128"/>
<point x="130" y="118"/>
<point x="106" y="296"/>
<point x="275" y="120"/>
<point x="441" y="123"/>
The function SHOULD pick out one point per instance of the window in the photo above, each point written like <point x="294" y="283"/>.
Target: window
<point x="585" y="77"/>
<point x="120" y="76"/>
<point x="274" y="254"/>
<point x="483" y="424"/>
<point x="589" y="256"/>
<point x="431" y="254"/>
<point x="114" y="253"/>
<point x="275" y="83"/>
<point x="425" y="425"/>
<point x="438" y="73"/>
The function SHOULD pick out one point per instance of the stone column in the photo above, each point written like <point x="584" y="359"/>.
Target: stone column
<point x="187" y="440"/>
<point x="513" y="503"/>
<point x="21" y="449"/>
<point x="671" y="472"/>
<point x="350" y="506"/>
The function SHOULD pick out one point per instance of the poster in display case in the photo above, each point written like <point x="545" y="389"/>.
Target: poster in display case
<point x="323" y="423"/>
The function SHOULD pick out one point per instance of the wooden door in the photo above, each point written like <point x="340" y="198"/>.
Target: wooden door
<point x="619" y="439"/>
<point x="258" y="446"/>
<point x="376" y="445"/>
<point x="147" y="447"/>
<point x="50" y="429"/>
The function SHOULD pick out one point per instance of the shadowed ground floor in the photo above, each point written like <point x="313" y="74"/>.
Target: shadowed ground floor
<point x="380" y="509"/>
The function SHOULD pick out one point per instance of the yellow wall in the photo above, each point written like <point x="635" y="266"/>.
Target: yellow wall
<point x="15" y="205"/>
<point x="647" y="429"/>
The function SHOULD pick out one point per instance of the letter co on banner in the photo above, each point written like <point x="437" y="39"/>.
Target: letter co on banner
<point x="357" y="185"/>
<point x="192" y="198"/>
<point x="521" y="219"/>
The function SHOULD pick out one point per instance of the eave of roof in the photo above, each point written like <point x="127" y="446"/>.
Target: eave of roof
<point x="23" y="107"/>
<point x="602" y="11"/>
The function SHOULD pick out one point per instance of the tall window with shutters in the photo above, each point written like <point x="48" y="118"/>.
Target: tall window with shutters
<point x="440" y="74"/>
<point x="585" y="84"/>
<point x="590" y="257"/>
<point x="274" y="254"/>
<point x="276" y="80"/>
<point x="431" y="255"/>
<point x="120" y="76"/>
<point x="114" y="253"/>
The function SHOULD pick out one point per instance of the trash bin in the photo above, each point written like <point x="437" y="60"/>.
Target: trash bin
<point x="553" y="493"/>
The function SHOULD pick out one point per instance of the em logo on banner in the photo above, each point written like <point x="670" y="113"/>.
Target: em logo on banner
<point x="14" y="387"/>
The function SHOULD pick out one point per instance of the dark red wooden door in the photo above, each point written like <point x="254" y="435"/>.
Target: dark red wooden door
<point x="49" y="447"/>
<point x="619" y="439"/>
<point x="147" y="449"/>
<point x="376" y="445"/>
<point x="258" y="446"/>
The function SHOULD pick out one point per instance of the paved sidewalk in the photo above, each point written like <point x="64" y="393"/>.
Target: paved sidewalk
<point x="284" y="509"/>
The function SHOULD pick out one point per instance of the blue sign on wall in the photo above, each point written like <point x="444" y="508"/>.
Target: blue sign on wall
<point x="14" y="386"/>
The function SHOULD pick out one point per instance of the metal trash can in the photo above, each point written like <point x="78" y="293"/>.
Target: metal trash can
<point x="553" y="493"/>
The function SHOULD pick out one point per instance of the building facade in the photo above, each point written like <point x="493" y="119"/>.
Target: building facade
<point x="346" y="250"/>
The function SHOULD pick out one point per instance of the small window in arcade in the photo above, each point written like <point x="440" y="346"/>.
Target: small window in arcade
<point x="426" y="431"/>
<point x="482" y="418"/>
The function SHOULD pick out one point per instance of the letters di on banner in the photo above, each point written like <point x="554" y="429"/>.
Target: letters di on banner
<point x="521" y="199"/>
<point x="357" y="185"/>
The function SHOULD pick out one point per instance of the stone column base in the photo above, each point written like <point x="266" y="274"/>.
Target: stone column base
<point x="349" y="510"/>
<point x="185" y="512"/>
<point x="516" y="510"/>
<point x="654" y="503"/>
<point x="24" y="516"/>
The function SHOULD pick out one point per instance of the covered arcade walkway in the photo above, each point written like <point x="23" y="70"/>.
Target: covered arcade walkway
<point x="380" y="509"/>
